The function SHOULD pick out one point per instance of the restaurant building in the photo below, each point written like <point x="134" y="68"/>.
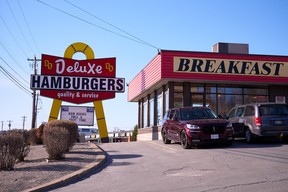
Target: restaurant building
<point x="221" y="79"/>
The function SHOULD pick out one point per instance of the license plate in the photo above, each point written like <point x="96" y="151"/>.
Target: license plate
<point x="278" y="122"/>
<point x="215" y="136"/>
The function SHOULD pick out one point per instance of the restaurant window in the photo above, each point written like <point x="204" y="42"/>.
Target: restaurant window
<point x="230" y="90"/>
<point x="159" y="108"/>
<point x="178" y="99"/>
<point x="255" y="95"/>
<point x="178" y="87"/>
<point x="151" y="110"/>
<point x="145" y="106"/>
<point x="178" y="95"/>
<point x="226" y="102"/>
<point x="255" y="91"/>
<point x="221" y="98"/>
<point x="210" y="88"/>
<point x="197" y="88"/>
<point x="166" y="100"/>
<point x="197" y="100"/>
<point x="211" y="101"/>
<point x="255" y="99"/>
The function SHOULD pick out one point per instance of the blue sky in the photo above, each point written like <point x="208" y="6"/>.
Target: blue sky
<point x="34" y="28"/>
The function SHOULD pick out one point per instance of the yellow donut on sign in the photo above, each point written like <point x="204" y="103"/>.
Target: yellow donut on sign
<point x="98" y="106"/>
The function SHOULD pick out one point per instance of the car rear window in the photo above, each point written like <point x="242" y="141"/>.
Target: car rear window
<point x="273" y="110"/>
<point x="85" y="130"/>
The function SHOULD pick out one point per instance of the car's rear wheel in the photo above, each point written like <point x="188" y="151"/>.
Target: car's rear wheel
<point x="164" y="138"/>
<point x="248" y="136"/>
<point x="184" y="140"/>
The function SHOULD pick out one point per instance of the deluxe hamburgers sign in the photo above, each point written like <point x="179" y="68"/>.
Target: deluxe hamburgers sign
<point x="78" y="81"/>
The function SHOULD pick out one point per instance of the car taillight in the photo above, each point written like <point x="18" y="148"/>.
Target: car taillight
<point x="257" y="121"/>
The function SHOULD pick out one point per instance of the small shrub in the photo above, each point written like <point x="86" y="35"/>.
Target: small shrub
<point x="56" y="140"/>
<point x="33" y="139"/>
<point x="24" y="147"/>
<point x="36" y="135"/>
<point x="11" y="148"/>
<point x="39" y="133"/>
<point x="7" y="160"/>
<point x="135" y="133"/>
<point x="71" y="127"/>
<point x="59" y="136"/>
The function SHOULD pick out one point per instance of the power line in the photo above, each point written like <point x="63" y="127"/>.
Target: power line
<point x="14" y="80"/>
<point x="144" y="42"/>
<point x="24" y="37"/>
<point x="13" y="37"/>
<point x="28" y="26"/>
<point x="14" y="71"/>
<point x="12" y="57"/>
<point x="90" y="23"/>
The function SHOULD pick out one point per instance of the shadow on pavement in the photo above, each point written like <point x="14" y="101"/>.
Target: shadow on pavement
<point x="108" y="162"/>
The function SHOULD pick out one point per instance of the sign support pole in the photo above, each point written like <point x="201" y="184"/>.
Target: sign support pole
<point x="98" y="106"/>
<point x="56" y="105"/>
<point x="101" y="122"/>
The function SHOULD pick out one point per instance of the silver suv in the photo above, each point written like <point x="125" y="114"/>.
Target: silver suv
<point x="260" y="120"/>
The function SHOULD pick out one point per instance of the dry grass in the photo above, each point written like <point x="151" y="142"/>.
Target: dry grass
<point x="36" y="170"/>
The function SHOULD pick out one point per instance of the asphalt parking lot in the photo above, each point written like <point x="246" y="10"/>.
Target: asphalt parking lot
<point x="153" y="166"/>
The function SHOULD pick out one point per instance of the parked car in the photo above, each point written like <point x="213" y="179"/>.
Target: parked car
<point x="193" y="126"/>
<point x="259" y="120"/>
<point x="88" y="133"/>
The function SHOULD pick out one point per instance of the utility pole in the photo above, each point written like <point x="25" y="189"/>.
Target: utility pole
<point x="9" y="124"/>
<point x="2" y="122"/>
<point x="34" y="108"/>
<point x="24" y="118"/>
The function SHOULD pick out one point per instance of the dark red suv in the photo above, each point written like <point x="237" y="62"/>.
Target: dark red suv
<point x="193" y="126"/>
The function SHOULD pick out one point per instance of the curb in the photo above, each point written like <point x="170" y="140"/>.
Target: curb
<point x="74" y="175"/>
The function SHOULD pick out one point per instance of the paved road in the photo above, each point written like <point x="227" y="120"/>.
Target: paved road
<point x="154" y="167"/>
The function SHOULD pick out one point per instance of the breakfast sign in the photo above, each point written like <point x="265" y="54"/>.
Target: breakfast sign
<point x="78" y="81"/>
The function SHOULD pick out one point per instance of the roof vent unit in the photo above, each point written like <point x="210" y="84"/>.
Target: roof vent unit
<point x="237" y="48"/>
